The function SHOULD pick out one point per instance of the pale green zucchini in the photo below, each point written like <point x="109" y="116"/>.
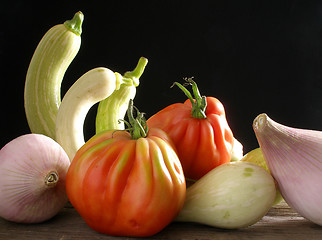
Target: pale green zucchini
<point x="52" y="57"/>
<point x="114" y="107"/>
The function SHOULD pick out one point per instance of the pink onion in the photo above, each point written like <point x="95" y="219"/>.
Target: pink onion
<point x="32" y="179"/>
<point x="294" y="158"/>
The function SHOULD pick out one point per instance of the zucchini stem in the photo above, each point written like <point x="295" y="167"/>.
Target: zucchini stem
<point x="131" y="78"/>
<point x="75" y="24"/>
<point x="134" y="76"/>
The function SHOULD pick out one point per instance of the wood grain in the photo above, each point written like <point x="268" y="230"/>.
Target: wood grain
<point x="281" y="222"/>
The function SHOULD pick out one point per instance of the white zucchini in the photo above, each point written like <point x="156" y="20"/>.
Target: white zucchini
<point x="52" y="57"/>
<point x="92" y="87"/>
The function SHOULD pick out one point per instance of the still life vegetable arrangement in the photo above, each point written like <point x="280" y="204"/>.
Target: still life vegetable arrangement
<point x="135" y="175"/>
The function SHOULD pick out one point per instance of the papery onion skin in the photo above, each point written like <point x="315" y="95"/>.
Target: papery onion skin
<point x="32" y="179"/>
<point x="294" y="158"/>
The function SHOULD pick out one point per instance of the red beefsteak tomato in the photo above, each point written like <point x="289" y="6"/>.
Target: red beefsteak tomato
<point x="200" y="131"/>
<point x="123" y="185"/>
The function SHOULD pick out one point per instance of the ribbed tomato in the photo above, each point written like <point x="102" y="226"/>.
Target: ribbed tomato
<point x="125" y="186"/>
<point x="199" y="130"/>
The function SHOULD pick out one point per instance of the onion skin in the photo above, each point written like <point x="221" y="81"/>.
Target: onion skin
<point x="32" y="179"/>
<point x="294" y="158"/>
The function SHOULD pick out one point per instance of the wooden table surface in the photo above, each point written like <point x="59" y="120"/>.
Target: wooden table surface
<point x="281" y="222"/>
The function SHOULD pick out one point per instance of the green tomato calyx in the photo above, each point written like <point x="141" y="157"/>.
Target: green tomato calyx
<point x="198" y="102"/>
<point x="136" y="126"/>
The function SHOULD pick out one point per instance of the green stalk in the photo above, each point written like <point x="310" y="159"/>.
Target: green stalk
<point x="137" y="126"/>
<point x="137" y="72"/>
<point x="75" y="24"/>
<point x="198" y="102"/>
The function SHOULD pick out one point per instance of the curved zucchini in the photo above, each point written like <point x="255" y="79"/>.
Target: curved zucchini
<point x="114" y="108"/>
<point x="52" y="57"/>
<point x="92" y="87"/>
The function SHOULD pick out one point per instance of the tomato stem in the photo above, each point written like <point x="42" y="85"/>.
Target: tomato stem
<point x="198" y="102"/>
<point x="137" y="126"/>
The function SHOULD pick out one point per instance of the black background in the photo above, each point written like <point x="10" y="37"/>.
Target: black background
<point x="254" y="56"/>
